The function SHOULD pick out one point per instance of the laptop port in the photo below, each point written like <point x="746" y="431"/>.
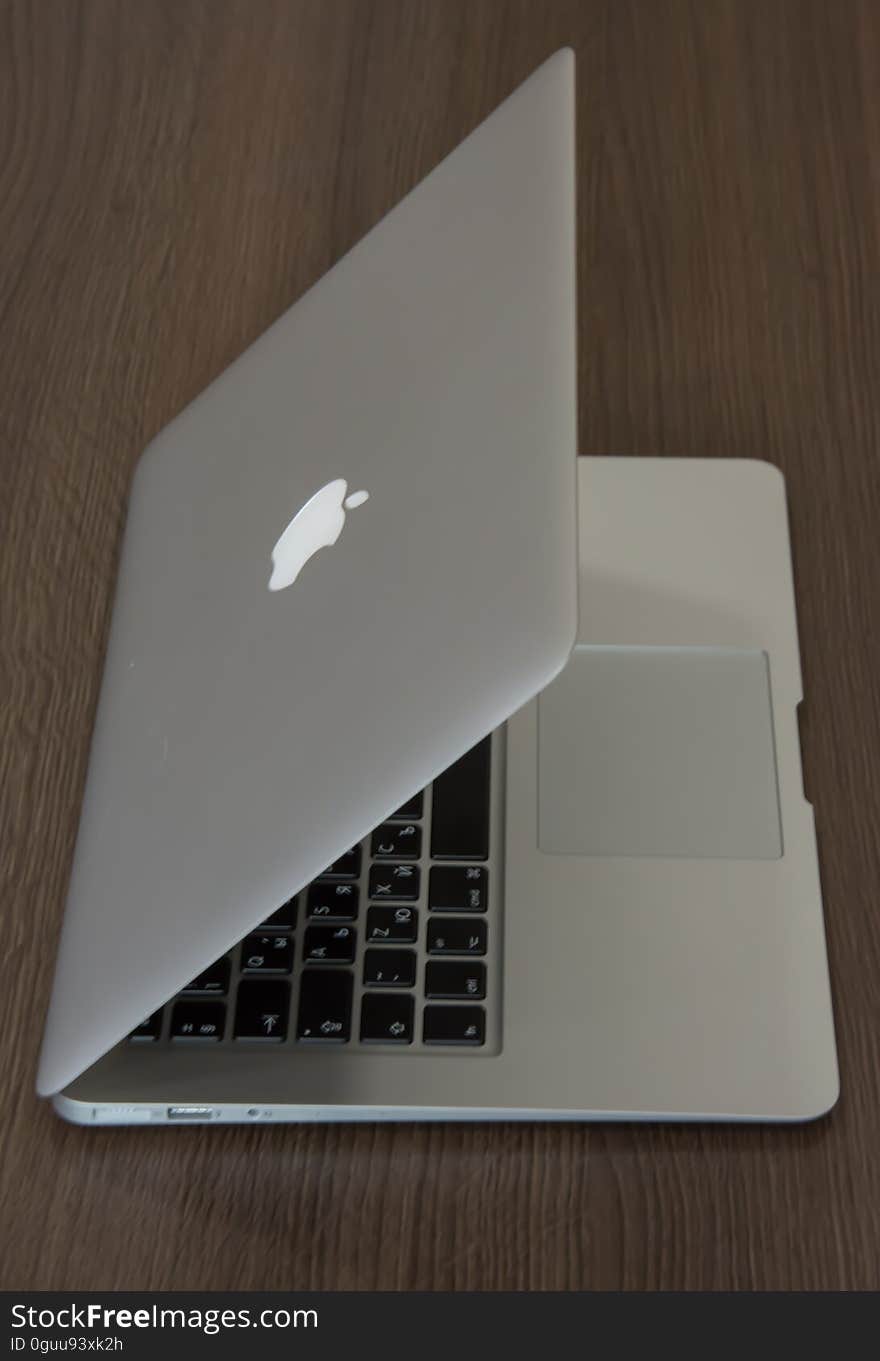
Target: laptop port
<point x="191" y="1112"/>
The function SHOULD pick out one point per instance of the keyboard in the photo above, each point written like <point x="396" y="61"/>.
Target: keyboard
<point x="396" y="945"/>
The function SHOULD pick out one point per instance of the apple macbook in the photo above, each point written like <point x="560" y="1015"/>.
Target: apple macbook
<point x="437" y="773"/>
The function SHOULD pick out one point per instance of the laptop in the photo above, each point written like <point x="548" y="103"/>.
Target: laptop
<point x="437" y="773"/>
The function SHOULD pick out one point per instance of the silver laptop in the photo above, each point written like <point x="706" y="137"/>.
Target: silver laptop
<point x="438" y="774"/>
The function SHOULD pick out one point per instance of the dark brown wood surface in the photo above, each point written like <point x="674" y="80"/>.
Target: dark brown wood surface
<point x="172" y="176"/>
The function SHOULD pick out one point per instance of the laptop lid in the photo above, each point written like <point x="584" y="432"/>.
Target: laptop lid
<point x="267" y="700"/>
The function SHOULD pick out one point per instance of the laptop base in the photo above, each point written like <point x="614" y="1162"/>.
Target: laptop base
<point x="663" y="945"/>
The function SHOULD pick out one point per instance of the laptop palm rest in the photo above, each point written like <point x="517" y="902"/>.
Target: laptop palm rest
<point x="659" y="752"/>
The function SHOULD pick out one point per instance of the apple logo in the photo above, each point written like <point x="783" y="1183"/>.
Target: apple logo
<point x="318" y="524"/>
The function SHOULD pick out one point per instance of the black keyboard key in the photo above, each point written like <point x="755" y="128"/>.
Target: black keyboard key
<point x="325" y="1005"/>
<point x="454" y="1025"/>
<point x="262" y="1009"/>
<point x="336" y="902"/>
<point x="329" y="945"/>
<point x="387" y="1018"/>
<point x="348" y="866"/>
<point x="198" y="1021"/>
<point x="397" y="841"/>
<point x="412" y="808"/>
<point x="213" y="980"/>
<point x="148" y="1030"/>
<point x="460" y="823"/>
<point x="389" y="968"/>
<point x="267" y="954"/>
<point x="396" y="925"/>
<point x="458" y="888"/>
<point x="285" y="917"/>
<point x="463" y="979"/>
<point x="451" y="936"/>
<point x="394" y="883"/>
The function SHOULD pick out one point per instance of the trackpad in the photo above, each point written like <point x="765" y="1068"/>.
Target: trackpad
<point x="659" y="752"/>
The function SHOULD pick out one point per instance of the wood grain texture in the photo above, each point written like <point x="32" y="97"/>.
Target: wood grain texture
<point x="172" y="176"/>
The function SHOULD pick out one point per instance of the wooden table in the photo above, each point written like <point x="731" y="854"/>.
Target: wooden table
<point x="174" y="175"/>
